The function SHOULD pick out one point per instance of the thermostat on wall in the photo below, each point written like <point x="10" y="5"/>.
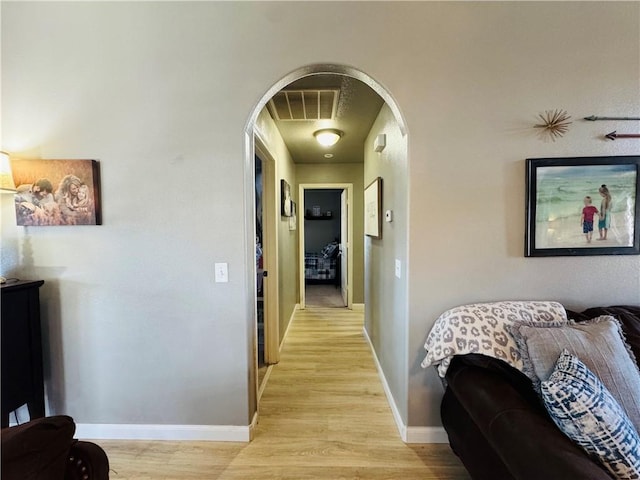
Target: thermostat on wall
<point x="380" y="142"/>
<point x="388" y="216"/>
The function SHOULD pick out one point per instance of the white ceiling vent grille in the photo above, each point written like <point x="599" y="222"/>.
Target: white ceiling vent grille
<point x="294" y="105"/>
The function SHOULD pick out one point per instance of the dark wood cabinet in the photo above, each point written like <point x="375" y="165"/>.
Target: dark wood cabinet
<point x="22" y="379"/>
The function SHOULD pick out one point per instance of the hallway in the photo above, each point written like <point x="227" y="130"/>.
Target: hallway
<point x="323" y="415"/>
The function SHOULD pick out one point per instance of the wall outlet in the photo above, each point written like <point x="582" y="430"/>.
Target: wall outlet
<point x="398" y="268"/>
<point x="222" y="272"/>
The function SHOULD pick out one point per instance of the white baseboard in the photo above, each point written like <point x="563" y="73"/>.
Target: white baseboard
<point x="286" y="332"/>
<point x="263" y="385"/>
<point x="426" y="435"/>
<point x="407" y="434"/>
<point x="357" y="307"/>
<point x="253" y="425"/>
<point x="402" y="428"/>
<point x="213" y="433"/>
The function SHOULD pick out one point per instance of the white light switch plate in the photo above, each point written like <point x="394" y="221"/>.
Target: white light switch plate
<point x="222" y="272"/>
<point x="398" y="269"/>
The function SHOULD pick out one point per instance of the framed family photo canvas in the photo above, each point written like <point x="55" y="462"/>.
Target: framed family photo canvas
<point x="583" y="206"/>
<point x="373" y="209"/>
<point x="57" y="192"/>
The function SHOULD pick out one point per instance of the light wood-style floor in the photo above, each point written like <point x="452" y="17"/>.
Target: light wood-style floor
<point x="323" y="415"/>
<point x="323" y="296"/>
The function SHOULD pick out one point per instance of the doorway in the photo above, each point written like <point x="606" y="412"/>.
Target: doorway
<point x="326" y="260"/>
<point x="251" y="147"/>
<point x="266" y="265"/>
<point x="322" y="249"/>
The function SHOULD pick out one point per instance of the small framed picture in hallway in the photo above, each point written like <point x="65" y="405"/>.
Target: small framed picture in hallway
<point x="373" y="209"/>
<point x="285" y="195"/>
<point x="293" y="219"/>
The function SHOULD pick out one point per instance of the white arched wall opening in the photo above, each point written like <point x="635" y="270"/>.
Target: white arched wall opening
<point x="249" y="198"/>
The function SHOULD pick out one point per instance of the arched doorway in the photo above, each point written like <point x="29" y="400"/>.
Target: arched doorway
<point x="249" y="183"/>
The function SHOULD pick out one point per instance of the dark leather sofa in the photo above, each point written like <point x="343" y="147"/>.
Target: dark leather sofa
<point x="44" y="449"/>
<point x="498" y="426"/>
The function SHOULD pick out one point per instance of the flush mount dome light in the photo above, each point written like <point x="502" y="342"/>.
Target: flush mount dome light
<point x="327" y="136"/>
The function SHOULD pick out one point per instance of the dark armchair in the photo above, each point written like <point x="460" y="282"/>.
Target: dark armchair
<point x="44" y="449"/>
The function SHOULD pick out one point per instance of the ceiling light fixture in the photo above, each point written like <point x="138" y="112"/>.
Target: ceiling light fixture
<point x="328" y="155"/>
<point x="327" y="136"/>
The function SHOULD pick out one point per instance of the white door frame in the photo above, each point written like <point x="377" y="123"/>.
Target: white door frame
<point x="324" y="186"/>
<point x="270" y="209"/>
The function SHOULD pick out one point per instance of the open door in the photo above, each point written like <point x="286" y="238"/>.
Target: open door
<point x="344" y="246"/>
<point x="268" y="267"/>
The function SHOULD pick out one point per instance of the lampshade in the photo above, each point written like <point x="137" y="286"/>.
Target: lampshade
<point x="6" y="178"/>
<point x="328" y="136"/>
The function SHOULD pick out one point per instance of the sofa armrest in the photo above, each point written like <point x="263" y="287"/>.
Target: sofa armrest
<point x="37" y="449"/>
<point x="519" y="429"/>
<point x="87" y="461"/>
<point x="468" y="442"/>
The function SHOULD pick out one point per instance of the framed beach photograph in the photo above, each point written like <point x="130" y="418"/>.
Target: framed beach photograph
<point x="57" y="192"/>
<point x="583" y="206"/>
<point x="373" y="209"/>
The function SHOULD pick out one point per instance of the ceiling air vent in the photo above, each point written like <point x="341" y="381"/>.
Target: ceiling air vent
<point x="290" y="105"/>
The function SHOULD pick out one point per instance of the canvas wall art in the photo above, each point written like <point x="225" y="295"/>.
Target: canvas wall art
<point x="373" y="209"/>
<point x="583" y="206"/>
<point x="57" y="192"/>
<point x="285" y="197"/>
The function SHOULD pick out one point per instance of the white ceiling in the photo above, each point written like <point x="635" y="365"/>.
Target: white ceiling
<point x="356" y="110"/>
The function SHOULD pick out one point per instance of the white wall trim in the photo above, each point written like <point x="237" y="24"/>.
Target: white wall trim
<point x="286" y="332"/>
<point x="212" y="433"/>
<point x="252" y="427"/>
<point x="358" y="307"/>
<point x="426" y="435"/>
<point x="263" y="385"/>
<point x="407" y="434"/>
<point x="402" y="428"/>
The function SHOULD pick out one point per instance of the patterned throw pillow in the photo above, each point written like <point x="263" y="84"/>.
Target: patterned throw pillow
<point x="582" y="407"/>
<point x="330" y="250"/>
<point x="599" y="343"/>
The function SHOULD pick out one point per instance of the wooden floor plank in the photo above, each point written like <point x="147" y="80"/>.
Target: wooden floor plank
<point x="323" y="415"/>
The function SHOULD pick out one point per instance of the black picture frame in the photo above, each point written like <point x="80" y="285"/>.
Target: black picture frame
<point x="556" y="196"/>
<point x="285" y="199"/>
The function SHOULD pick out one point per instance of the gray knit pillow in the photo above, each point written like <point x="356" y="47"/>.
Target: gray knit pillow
<point x="599" y="343"/>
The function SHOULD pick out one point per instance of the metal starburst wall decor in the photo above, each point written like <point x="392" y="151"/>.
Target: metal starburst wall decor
<point x="554" y="122"/>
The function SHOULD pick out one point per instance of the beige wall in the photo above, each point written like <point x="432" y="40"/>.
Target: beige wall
<point x="385" y="293"/>
<point x="137" y="332"/>
<point x="344" y="173"/>
<point x="491" y="68"/>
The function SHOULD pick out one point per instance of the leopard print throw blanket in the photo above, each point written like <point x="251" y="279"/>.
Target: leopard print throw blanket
<point x="482" y="328"/>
